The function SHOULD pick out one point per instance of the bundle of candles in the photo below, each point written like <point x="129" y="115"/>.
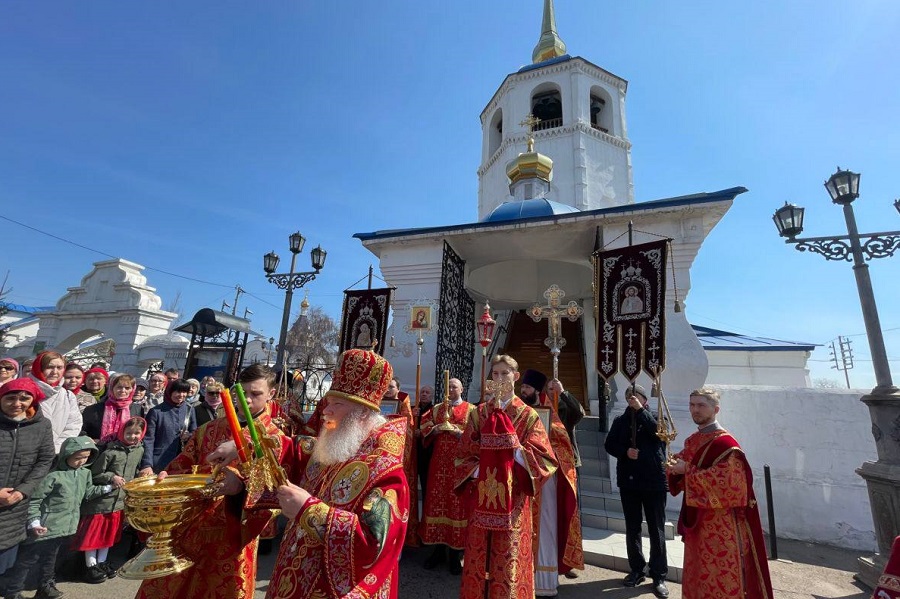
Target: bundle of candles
<point x="235" y="426"/>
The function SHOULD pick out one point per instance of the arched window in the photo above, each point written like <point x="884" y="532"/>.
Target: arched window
<point x="547" y="106"/>
<point x="601" y="110"/>
<point x="495" y="133"/>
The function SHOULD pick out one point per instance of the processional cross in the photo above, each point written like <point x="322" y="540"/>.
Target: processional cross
<point x="530" y="123"/>
<point x="552" y="312"/>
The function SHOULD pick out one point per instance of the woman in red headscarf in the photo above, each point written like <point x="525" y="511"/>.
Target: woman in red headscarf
<point x="96" y="380"/>
<point x="26" y="450"/>
<point x="60" y="406"/>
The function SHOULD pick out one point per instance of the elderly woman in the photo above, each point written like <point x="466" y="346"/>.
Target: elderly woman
<point x="26" y="452"/>
<point x="9" y="369"/>
<point x="95" y="382"/>
<point x="194" y="396"/>
<point x="60" y="406"/>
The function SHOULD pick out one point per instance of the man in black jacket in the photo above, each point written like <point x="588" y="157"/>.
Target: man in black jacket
<point x="641" y="477"/>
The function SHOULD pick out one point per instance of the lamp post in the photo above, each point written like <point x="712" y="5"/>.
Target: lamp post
<point x="882" y="476"/>
<point x="290" y="281"/>
<point x="485" y="326"/>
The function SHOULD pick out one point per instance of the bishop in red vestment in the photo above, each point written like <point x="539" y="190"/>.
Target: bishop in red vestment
<point x="724" y="552"/>
<point x="222" y="541"/>
<point x="505" y="452"/>
<point x="348" y="503"/>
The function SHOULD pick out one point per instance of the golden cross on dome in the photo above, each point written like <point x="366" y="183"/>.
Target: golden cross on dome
<point x="530" y="123"/>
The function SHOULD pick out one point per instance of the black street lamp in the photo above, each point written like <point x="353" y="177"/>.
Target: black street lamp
<point x="290" y="281"/>
<point x="883" y="476"/>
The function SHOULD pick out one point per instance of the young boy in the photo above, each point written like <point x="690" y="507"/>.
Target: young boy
<point x="53" y="514"/>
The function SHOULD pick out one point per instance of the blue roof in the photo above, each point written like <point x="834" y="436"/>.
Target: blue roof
<point x="533" y="208"/>
<point x="697" y="198"/>
<point x="716" y="340"/>
<point x="545" y="63"/>
<point x="28" y="309"/>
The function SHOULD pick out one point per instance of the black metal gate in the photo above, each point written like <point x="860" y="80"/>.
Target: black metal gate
<point x="456" y="324"/>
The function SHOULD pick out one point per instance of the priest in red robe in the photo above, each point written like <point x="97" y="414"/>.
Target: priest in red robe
<point x="505" y="453"/>
<point x="222" y="541"/>
<point x="348" y="501"/>
<point x="444" y="516"/>
<point x="724" y="552"/>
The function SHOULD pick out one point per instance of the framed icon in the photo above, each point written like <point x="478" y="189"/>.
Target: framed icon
<point x="544" y="414"/>
<point x="389" y="407"/>
<point x="420" y="318"/>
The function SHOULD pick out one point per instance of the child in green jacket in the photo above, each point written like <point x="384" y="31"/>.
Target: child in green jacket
<point x="53" y="513"/>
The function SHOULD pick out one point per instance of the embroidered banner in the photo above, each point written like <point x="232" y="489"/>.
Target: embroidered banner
<point x="631" y="288"/>
<point x="364" y="319"/>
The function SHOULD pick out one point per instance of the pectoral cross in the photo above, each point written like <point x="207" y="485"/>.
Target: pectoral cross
<point x="552" y="312"/>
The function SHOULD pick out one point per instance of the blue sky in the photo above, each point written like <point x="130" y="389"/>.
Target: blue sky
<point x="193" y="137"/>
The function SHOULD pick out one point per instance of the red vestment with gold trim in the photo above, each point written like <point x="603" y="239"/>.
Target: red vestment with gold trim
<point x="504" y="559"/>
<point x="724" y="552"/>
<point x="222" y="540"/>
<point x="568" y="516"/>
<point x="346" y="540"/>
<point x="444" y="512"/>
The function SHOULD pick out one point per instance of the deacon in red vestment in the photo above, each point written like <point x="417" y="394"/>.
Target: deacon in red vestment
<point x="555" y="509"/>
<point x="349" y="508"/>
<point x="505" y="453"/>
<point x="889" y="581"/>
<point x="221" y="541"/>
<point x="410" y="464"/>
<point x="724" y="552"/>
<point x="444" y="512"/>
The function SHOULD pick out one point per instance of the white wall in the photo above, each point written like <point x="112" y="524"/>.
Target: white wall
<point x="813" y="440"/>
<point x="778" y="368"/>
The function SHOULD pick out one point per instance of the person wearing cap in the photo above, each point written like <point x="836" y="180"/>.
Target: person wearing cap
<point x="222" y="540"/>
<point x="559" y="547"/>
<point x="140" y="390"/>
<point x="641" y="478"/>
<point x="504" y="459"/>
<point x="348" y="502"/>
<point x="9" y="369"/>
<point x="26" y="452"/>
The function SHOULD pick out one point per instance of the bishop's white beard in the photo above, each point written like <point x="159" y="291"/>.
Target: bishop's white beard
<point x="338" y="445"/>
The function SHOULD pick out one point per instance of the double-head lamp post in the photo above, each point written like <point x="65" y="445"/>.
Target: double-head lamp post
<point x="290" y="281"/>
<point x="883" y="476"/>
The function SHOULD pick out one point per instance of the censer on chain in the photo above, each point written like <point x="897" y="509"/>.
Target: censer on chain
<point x="665" y="426"/>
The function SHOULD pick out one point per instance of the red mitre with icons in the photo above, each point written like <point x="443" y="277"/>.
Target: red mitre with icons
<point x="494" y="501"/>
<point x="889" y="583"/>
<point x="361" y="376"/>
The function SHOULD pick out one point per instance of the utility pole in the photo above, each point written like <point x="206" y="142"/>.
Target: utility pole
<point x="843" y="359"/>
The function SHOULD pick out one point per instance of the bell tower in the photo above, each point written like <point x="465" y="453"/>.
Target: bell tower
<point x="580" y="109"/>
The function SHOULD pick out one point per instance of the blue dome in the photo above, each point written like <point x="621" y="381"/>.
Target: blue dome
<point x="534" y="208"/>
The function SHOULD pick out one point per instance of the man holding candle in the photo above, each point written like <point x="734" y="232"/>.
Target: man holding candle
<point x="349" y="508"/>
<point x="222" y="542"/>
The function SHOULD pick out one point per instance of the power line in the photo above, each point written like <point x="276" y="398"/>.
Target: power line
<point x="84" y="247"/>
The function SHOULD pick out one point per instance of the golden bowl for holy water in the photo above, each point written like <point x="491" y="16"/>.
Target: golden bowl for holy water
<point x="158" y="507"/>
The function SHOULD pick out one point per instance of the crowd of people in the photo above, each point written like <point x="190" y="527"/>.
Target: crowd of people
<point x="498" y="483"/>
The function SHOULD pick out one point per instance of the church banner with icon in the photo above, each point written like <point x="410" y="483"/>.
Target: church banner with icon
<point x="364" y="320"/>
<point x="631" y="288"/>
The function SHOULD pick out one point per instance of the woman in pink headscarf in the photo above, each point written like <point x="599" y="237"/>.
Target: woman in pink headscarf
<point x="60" y="406"/>
<point x="103" y="421"/>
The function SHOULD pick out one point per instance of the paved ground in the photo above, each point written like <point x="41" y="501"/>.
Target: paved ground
<point x="805" y="571"/>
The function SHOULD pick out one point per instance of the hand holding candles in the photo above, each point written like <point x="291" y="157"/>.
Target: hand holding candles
<point x="251" y="426"/>
<point x="233" y="424"/>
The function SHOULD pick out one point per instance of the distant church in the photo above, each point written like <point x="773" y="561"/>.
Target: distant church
<point x="542" y="211"/>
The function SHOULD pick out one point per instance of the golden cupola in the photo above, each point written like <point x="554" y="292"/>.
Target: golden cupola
<point x="529" y="172"/>
<point x="549" y="45"/>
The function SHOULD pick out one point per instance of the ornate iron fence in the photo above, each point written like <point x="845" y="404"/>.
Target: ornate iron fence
<point x="456" y="324"/>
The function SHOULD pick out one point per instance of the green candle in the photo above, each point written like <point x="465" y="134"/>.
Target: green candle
<point x="251" y="426"/>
